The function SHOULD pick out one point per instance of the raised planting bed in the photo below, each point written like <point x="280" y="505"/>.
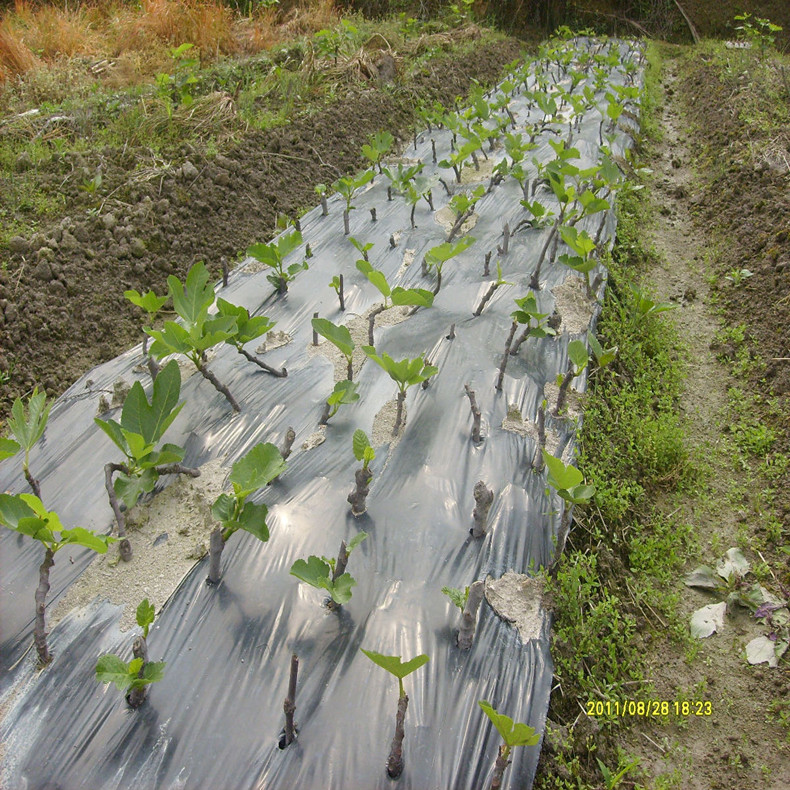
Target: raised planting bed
<point x="480" y="290"/>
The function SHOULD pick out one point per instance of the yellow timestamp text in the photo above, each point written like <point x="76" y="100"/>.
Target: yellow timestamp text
<point x="648" y="708"/>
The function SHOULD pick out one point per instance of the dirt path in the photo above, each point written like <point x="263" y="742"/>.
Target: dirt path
<point x="737" y="746"/>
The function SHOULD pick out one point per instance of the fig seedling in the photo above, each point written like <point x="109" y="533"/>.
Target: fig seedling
<point x="577" y="362"/>
<point x="405" y="373"/>
<point x="142" y="426"/>
<point x="328" y="573"/>
<point x="337" y="285"/>
<point x="437" y="256"/>
<point x="347" y="187"/>
<point x="151" y="304"/>
<point x="378" y="145"/>
<point x="400" y="669"/>
<point x="345" y="392"/>
<point x="414" y="297"/>
<point x="26" y="514"/>
<point x="365" y="453"/>
<point x="192" y="301"/>
<point x="568" y="482"/>
<point x="528" y="314"/>
<point x="491" y="290"/>
<point x="457" y="159"/>
<point x="262" y="464"/>
<point x="248" y="328"/>
<point x="27" y="424"/>
<point x="273" y="255"/>
<point x="580" y="242"/>
<point x="133" y="678"/>
<point x="340" y="338"/>
<point x="513" y="735"/>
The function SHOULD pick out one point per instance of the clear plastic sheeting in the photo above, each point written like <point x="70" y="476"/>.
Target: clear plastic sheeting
<point x="215" y="719"/>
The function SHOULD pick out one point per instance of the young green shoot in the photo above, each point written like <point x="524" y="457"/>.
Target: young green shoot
<point x="513" y="735"/>
<point x="491" y="290"/>
<point x="379" y="144"/>
<point x="262" y="464"/>
<point x="248" y="328"/>
<point x="27" y="424"/>
<point x="536" y="323"/>
<point x="437" y="256"/>
<point x="363" y="249"/>
<point x="328" y="573"/>
<point x="578" y="358"/>
<point x="458" y="158"/>
<point x="457" y="596"/>
<point x="414" y="297"/>
<point x="463" y="206"/>
<point x="336" y="283"/>
<point x="26" y="515"/>
<point x="644" y="306"/>
<point x="568" y="482"/>
<point x="344" y="393"/>
<point x="199" y="332"/>
<point x="583" y="261"/>
<point x="400" y="669"/>
<point x="348" y="187"/>
<point x="151" y="304"/>
<point x="405" y="373"/>
<point x="363" y="452"/>
<point x="133" y="678"/>
<point x="274" y="254"/>
<point x="141" y="427"/>
<point x="340" y="338"/>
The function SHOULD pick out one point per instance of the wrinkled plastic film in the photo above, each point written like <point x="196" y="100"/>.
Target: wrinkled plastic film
<point x="214" y="719"/>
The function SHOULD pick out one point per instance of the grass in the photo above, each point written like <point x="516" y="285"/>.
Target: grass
<point x="614" y="590"/>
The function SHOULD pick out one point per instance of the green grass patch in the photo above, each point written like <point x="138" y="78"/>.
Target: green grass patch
<point x="615" y="587"/>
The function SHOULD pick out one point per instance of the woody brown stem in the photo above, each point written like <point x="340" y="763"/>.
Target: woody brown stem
<point x="564" y="387"/>
<point x="289" y="705"/>
<point x="32" y="482"/>
<point x="475" y="414"/>
<point x="341" y="562"/>
<point x="209" y="376"/>
<point x="395" y="759"/>
<point x="372" y="321"/>
<point x="290" y="436"/>
<point x="485" y="299"/>
<point x="484" y="496"/>
<point x="124" y="547"/>
<point x="137" y="695"/>
<point x="357" y="497"/>
<point x="502" y="367"/>
<point x="281" y="374"/>
<point x="466" y="633"/>
<point x="216" y="544"/>
<point x="502" y="762"/>
<point x="399" y="413"/>
<point x="40" y="626"/>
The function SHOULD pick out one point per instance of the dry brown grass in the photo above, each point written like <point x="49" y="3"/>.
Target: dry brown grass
<point x="33" y="32"/>
<point x="51" y="31"/>
<point x="15" y="56"/>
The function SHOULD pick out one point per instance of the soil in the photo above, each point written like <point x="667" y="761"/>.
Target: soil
<point x="62" y="308"/>
<point x="736" y="745"/>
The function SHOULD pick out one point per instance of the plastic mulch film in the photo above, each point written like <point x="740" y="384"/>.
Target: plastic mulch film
<point x="215" y="718"/>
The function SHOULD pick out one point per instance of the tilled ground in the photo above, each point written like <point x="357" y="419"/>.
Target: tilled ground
<point x="62" y="308"/>
<point x="744" y="207"/>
